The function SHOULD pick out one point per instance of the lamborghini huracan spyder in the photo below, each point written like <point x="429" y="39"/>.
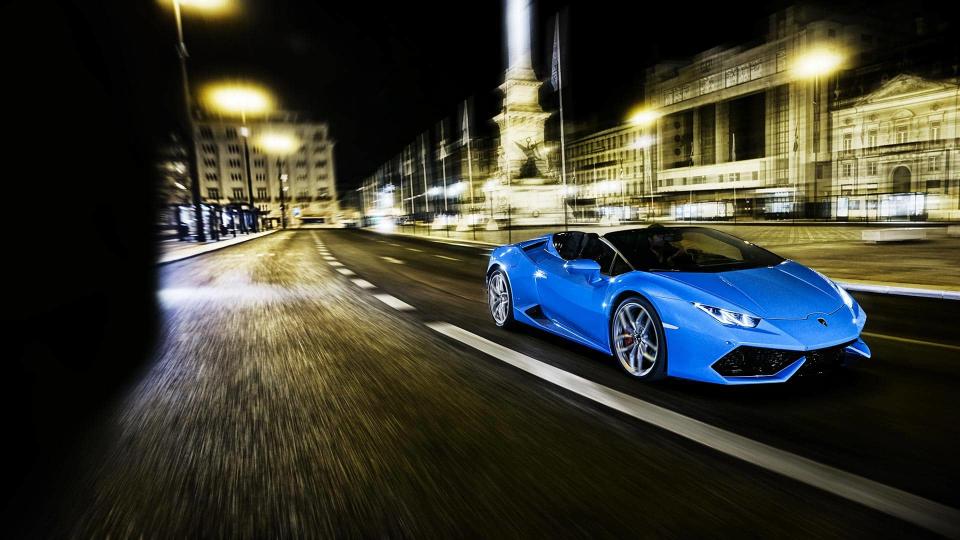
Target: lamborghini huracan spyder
<point x="688" y="302"/>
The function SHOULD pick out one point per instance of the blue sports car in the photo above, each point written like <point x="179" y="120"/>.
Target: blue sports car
<point x="688" y="302"/>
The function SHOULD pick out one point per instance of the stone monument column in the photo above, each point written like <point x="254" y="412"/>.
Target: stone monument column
<point x="521" y="119"/>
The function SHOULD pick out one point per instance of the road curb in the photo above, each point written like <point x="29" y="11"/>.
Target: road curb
<point x="876" y="287"/>
<point x="899" y="290"/>
<point x="214" y="247"/>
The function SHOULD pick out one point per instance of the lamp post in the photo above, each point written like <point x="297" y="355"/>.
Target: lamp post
<point x="241" y="99"/>
<point x="283" y="189"/>
<point x="645" y="117"/>
<point x="812" y="65"/>
<point x="279" y="144"/>
<point x="209" y="6"/>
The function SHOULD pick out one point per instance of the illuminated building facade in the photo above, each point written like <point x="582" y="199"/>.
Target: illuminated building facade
<point x="311" y="195"/>
<point x="895" y="153"/>
<point x="607" y="175"/>
<point x="740" y="132"/>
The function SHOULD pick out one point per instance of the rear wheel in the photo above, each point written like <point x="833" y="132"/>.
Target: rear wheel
<point x="500" y="299"/>
<point x="637" y="339"/>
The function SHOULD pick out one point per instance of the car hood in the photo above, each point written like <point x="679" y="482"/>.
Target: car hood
<point x="786" y="291"/>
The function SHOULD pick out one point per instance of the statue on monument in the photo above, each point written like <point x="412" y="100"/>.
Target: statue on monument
<point x="534" y="166"/>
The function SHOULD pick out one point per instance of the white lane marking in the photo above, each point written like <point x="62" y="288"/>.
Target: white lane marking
<point x="447" y="258"/>
<point x="363" y="284"/>
<point x="392" y="260"/>
<point x="394" y="302"/>
<point x="329" y="258"/>
<point x="335" y="263"/>
<point x="415" y="249"/>
<point x="906" y="506"/>
<point x="395" y="245"/>
<point x="913" y="341"/>
<point x="346" y="271"/>
<point x="382" y="241"/>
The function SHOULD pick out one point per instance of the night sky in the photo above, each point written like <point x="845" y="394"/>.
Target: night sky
<point x="381" y="74"/>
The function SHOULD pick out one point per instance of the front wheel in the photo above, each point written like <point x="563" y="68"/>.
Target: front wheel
<point x="638" y="339"/>
<point x="500" y="299"/>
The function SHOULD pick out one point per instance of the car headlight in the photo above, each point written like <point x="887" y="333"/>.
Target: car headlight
<point x="844" y="295"/>
<point x="727" y="317"/>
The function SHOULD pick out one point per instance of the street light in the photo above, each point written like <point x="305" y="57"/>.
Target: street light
<point x="812" y="65"/>
<point x="279" y="144"/>
<point x="240" y="99"/>
<point x="218" y="7"/>
<point x="645" y="117"/>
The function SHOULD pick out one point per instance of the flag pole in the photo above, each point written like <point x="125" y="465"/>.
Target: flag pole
<point x="423" y="163"/>
<point x="563" y="145"/>
<point x="466" y="134"/>
<point x="443" y="169"/>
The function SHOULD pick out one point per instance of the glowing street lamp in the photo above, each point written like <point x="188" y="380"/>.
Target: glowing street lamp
<point x="817" y="63"/>
<point x="643" y="117"/>
<point x="278" y="143"/>
<point x="240" y="99"/>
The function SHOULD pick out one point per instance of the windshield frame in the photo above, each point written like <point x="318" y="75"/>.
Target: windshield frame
<point x="755" y="256"/>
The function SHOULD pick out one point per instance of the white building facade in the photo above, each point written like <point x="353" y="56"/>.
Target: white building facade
<point x="896" y="154"/>
<point x="311" y="194"/>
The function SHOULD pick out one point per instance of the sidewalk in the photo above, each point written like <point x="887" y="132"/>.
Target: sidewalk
<point x="930" y="268"/>
<point x="766" y="234"/>
<point x="174" y="250"/>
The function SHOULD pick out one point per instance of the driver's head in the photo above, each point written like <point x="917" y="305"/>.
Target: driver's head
<point x="656" y="237"/>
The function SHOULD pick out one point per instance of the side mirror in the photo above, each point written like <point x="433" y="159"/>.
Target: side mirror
<point x="582" y="266"/>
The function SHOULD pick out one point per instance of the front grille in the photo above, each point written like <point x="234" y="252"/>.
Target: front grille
<point x="754" y="361"/>
<point x="758" y="361"/>
<point x="823" y="361"/>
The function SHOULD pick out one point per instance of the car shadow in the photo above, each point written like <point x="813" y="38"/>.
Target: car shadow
<point x="842" y="380"/>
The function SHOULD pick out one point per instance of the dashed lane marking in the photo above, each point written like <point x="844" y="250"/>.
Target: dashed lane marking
<point x="925" y="513"/>
<point x="346" y="271"/>
<point x="415" y="249"/>
<point x="392" y="260"/>
<point x="394" y="302"/>
<point x="363" y="284"/>
<point x="335" y="263"/>
<point x="447" y="258"/>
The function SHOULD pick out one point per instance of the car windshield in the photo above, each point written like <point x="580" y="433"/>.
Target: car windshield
<point x="689" y="249"/>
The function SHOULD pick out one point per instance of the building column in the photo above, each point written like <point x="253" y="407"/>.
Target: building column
<point x="722" y="143"/>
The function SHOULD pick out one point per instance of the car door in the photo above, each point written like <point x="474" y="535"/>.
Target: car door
<point x="574" y="298"/>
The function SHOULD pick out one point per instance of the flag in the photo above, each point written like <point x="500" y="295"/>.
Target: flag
<point x="555" y="63"/>
<point x="465" y="126"/>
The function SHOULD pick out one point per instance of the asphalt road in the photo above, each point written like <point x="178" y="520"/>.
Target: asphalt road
<point x="284" y="399"/>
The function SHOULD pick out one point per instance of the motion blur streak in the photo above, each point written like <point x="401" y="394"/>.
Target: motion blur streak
<point x="928" y="514"/>
<point x="328" y="413"/>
